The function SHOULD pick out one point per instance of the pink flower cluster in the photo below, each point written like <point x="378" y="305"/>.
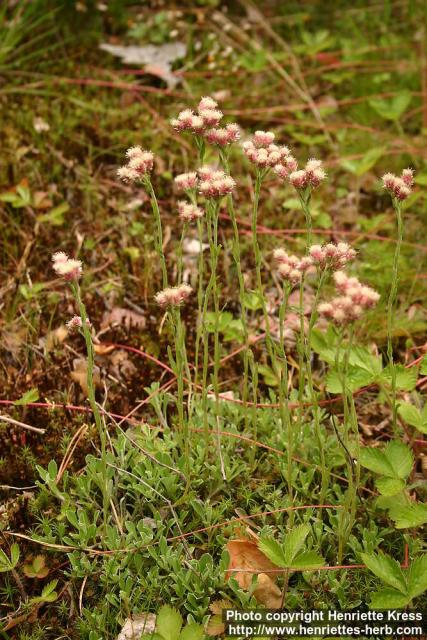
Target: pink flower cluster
<point x="173" y="296"/>
<point x="223" y="136"/>
<point x="311" y="176"/>
<point x="399" y="187"/>
<point x="76" y="323"/>
<point x="332" y="256"/>
<point x="205" y="123"/>
<point x="186" y="181"/>
<point x="290" y="267"/>
<point x="214" y="183"/>
<point x="66" y="267"/>
<point x="355" y="298"/>
<point x="140" y="162"/>
<point x="211" y="182"/>
<point x="188" y="211"/>
<point x="262" y="151"/>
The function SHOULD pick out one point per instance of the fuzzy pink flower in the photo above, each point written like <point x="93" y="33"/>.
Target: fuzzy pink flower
<point x="186" y="181"/>
<point x="66" y="267"/>
<point x="263" y="138"/>
<point x="355" y="299"/>
<point x="298" y="179"/>
<point x="332" y="256"/>
<point x="211" y="117"/>
<point x="173" y="296"/>
<point x="221" y="137"/>
<point x="399" y="187"/>
<point x="140" y="162"/>
<point x="207" y="103"/>
<point x="215" y="183"/>
<point x="188" y="211"/>
<point x="76" y="323"/>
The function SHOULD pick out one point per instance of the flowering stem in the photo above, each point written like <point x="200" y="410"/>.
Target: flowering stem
<point x="390" y="306"/>
<point x="237" y="260"/>
<point x="180" y="367"/>
<point x="180" y="251"/>
<point x="159" y="237"/>
<point x="347" y="514"/>
<point x="283" y="393"/>
<point x="313" y="395"/>
<point x="91" y="396"/>
<point x="257" y="255"/>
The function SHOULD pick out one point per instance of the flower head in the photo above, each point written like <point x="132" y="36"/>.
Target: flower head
<point x="399" y="187"/>
<point x="188" y="211"/>
<point x="186" y="181"/>
<point x="261" y="151"/>
<point x="332" y="256"/>
<point x="66" y="267"/>
<point x="140" y="162"/>
<point x="355" y="298"/>
<point x="76" y="323"/>
<point x="215" y="184"/>
<point x="173" y="296"/>
<point x="311" y="176"/>
<point x="223" y="136"/>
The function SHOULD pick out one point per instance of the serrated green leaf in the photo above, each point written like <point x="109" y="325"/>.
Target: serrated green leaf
<point x="376" y="461"/>
<point x="386" y="569"/>
<point x="423" y="366"/>
<point x="192" y="632"/>
<point x="400" y="458"/>
<point x="169" y="623"/>
<point x="308" y="560"/>
<point x="32" y="395"/>
<point x="390" y="486"/>
<point x="294" y="541"/>
<point x="388" y="599"/>
<point x="417" y="576"/>
<point x="413" y="416"/>
<point x="413" y="515"/>
<point x="356" y="379"/>
<point x="406" y="378"/>
<point x="273" y="550"/>
<point x="362" y="358"/>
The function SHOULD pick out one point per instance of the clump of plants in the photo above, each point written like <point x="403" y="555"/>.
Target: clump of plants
<point x="149" y="505"/>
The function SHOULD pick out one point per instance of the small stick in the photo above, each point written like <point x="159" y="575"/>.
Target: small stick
<point x="21" y="424"/>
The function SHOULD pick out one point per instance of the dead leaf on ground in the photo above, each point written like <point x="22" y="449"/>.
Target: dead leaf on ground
<point x="245" y="555"/>
<point x="54" y="338"/>
<point x="122" y="365"/>
<point x="80" y="374"/>
<point x="157" y="59"/>
<point x="124" y="317"/>
<point x="215" y="625"/>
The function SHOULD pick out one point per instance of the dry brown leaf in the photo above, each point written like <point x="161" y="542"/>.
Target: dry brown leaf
<point x="122" y="316"/>
<point x="80" y="374"/>
<point x="215" y="625"/>
<point x="56" y="337"/>
<point x="245" y="555"/>
<point x="103" y="349"/>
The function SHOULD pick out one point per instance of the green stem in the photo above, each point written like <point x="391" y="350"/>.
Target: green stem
<point x="159" y="236"/>
<point x="390" y="307"/>
<point x="92" y="399"/>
